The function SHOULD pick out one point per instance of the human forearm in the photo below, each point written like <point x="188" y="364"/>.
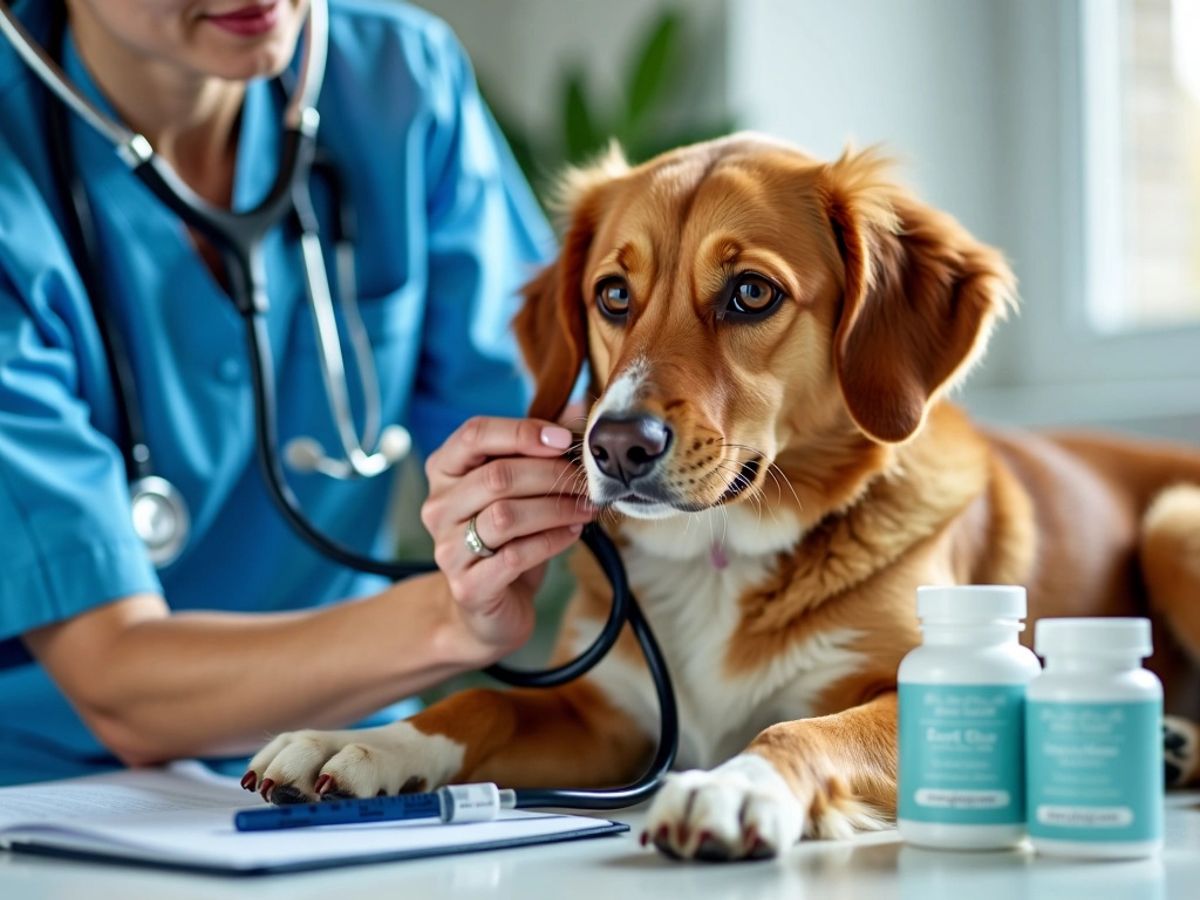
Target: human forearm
<point x="156" y="686"/>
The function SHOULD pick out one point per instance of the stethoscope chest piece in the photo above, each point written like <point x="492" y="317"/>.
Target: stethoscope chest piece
<point x="160" y="518"/>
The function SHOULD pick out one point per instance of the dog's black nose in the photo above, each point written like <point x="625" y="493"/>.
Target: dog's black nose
<point x="626" y="447"/>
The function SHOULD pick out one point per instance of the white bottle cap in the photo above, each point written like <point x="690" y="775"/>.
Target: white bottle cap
<point x="971" y="602"/>
<point x="1094" y="636"/>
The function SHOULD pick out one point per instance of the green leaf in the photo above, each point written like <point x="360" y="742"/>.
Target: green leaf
<point x="652" y="72"/>
<point x="581" y="137"/>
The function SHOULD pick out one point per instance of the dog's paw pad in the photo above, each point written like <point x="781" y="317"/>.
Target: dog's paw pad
<point x="286" y="794"/>
<point x="1181" y="750"/>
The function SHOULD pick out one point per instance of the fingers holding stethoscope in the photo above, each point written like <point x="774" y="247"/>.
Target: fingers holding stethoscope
<point x="511" y="497"/>
<point x="502" y="502"/>
<point x="482" y="438"/>
<point x="483" y="584"/>
<point x="505" y="521"/>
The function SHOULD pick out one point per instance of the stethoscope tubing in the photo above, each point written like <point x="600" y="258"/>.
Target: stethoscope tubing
<point x="624" y="607"/>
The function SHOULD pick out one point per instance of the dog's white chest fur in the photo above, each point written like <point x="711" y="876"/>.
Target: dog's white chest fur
<point x="692" y="603"/>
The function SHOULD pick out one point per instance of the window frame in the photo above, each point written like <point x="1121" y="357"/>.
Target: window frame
<point x="1060" y="360"/>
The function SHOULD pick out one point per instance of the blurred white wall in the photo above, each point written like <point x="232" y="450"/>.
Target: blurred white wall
<point x="520" y="48"/>
<point x="977" y="99"/>
<point x="919" y="76"/>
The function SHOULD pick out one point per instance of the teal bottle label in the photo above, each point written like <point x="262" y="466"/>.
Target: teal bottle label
<point x="961" y="754"/>
<point x="1095" y="771"/>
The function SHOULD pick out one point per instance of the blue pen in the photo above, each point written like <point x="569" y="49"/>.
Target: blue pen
<point x="453" y="803"/>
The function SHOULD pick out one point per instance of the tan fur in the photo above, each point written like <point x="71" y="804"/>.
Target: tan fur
<point x="890" y="303"/>
<point x="840" y="393"/>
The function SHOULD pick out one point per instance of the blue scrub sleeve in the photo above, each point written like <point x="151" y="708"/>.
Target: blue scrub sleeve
<point x="487" y="237"/>
<point x="68" y="543"/>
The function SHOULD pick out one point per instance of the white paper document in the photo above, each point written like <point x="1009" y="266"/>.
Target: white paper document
<point x="182" y="816"/>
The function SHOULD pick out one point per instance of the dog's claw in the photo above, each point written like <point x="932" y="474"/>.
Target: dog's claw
<point x="249" y="780"/>
<point x="324" y="783"/>
<point x="265" y="788"/>
<point x="682" y="832"/>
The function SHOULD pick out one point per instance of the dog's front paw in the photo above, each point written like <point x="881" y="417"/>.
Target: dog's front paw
<point x="743" y="809"/>
<point x="1181" y="751"/>
<point x="302" y="766"/>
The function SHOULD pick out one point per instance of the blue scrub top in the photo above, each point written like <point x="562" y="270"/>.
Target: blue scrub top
<point x="448" y="231"/>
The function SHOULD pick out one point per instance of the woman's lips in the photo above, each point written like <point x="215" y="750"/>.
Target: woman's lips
<point x="251" y="20"/>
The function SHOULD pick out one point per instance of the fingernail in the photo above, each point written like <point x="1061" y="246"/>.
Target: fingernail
<point x="265" y="790"/>
<point x="249" y="780"/>
<point x="556" y="437"/>
<point x="576" y="528"/>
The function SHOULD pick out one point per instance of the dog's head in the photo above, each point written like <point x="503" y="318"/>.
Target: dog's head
<point x="740" y="305"/>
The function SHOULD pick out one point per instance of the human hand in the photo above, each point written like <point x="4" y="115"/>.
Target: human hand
<point x="529" y="504"/>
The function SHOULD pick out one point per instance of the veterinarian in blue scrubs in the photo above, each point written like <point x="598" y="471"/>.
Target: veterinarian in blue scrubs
<point x="105" y="660"/>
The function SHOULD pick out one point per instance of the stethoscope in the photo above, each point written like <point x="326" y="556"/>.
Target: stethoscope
<point x="159" y="513"/>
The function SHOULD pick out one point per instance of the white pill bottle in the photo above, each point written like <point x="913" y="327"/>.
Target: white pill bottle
<point x="1094" y="741"/>
<point x="962" y="718"/>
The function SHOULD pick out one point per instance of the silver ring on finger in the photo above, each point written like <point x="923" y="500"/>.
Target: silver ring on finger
<point x="475" y="543"/>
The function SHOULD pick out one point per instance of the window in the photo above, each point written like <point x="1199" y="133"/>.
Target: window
<point x="1141" y="81"/>
<point x="1095" y="344"/>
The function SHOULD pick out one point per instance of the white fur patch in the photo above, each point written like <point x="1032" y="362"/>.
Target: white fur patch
<point x="741" y="528"/>
<point x="361" y="762"/>
<point x="646" y="511"/>
<point x="693" y="608"/>
<point x="620" y="398"/>
<point x="621" y="394"/>
<point x="741" y="808"/>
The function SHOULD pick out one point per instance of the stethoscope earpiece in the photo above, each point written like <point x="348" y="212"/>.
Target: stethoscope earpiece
<point x="305" y="454"/>
<point x="395" y="443"/>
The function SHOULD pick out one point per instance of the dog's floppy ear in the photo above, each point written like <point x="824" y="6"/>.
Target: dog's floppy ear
<point x="551" y="327"/>
<point x="551" y="331"/>
<point x="919" y="300"/>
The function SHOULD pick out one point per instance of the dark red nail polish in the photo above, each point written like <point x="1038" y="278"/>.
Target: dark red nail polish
<point x="644" y="839"/>
<point x="249" y="780"/>
<point x="265" y="790"/>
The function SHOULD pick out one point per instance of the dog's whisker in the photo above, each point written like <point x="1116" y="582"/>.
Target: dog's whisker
<point x="782" y="478"/>
<point x="553" y="489"/>
<point x="777" y="474"/>
<point x="775" y="479"/>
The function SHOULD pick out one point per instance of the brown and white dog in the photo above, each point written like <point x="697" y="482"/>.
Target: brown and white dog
<point x="769" y="339"/>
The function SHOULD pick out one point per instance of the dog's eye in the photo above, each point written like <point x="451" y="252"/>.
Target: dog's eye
<point x="752" y="295"/>
<point x="612" y="296"/>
